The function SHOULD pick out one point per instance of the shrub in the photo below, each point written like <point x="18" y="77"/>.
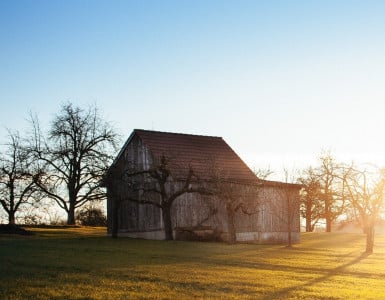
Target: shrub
<point x="91" y="217"/>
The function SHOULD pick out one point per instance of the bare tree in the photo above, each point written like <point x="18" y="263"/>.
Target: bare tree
<point x="312" y="208"/>
<point x="159" y="185"/>
<point x="330" y="177"/>
<point x="17" y="186"/>
<point x="235" y="196"/>
<point x="74" y="154"/>
<point x="367" y="197"/>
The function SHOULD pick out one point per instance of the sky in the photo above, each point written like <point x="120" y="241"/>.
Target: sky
<point x="280" y="81"/>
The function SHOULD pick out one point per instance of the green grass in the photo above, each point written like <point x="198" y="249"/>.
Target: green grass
<point x="81" y="263"/>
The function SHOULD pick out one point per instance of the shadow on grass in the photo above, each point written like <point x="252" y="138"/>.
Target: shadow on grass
<point x="285" y="292"/>
<point x="98" y="261"/>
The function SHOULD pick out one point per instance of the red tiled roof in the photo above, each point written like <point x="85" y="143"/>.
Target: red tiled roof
<point x="203" y="153"/>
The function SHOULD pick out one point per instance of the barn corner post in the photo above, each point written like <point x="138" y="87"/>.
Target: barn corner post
<point x="291" y="194"/>
<point x="115" y="218"/>
<point x="291" y="206"/>
<point x="114" y="182"/>
<point x="113" y="208"/>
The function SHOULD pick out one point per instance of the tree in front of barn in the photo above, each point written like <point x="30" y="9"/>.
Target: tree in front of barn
<point x="284" y="205"/>
<point x="74" y="154"/>
<point x="234" y="195"/>
<point x="158" y="185"/>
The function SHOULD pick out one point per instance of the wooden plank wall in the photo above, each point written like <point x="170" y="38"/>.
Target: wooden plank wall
<point x="192" y="210"/>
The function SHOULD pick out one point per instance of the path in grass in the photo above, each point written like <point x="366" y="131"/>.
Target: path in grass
<point x="82" y="263"/>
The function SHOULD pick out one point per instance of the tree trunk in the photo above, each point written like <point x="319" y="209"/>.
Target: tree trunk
<point x="231" y="224"/>
<point x="308" y="223"/>
<point x="312" y="226"/>
<point x="328" y="217"/>
<point x="72" y="202"/>
<point x="71" y="214"/>
<point x="369" y="239"/>
<point x="11" y="218"/>
<point x="308" y="216"/>
<point x="166" y="214"/>
<point x="328" y="225"/>
<point x="11" y="211"/>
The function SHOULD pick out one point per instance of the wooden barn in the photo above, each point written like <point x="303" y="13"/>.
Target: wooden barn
<point x="199" y="188"/>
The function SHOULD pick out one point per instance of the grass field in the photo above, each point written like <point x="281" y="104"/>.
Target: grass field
<point x="81" y="263"/>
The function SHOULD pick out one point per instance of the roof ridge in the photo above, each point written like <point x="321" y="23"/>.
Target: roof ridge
<point x="177" y="133"/>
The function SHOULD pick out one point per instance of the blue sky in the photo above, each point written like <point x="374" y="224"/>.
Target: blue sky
<point x="279" y="80"/>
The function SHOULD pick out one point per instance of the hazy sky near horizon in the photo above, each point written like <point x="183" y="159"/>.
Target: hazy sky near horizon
<point x="278" y="80"/>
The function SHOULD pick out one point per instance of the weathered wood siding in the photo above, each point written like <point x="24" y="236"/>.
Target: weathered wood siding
<point x="134" y="216"/>
<point x="267" y="221"/>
